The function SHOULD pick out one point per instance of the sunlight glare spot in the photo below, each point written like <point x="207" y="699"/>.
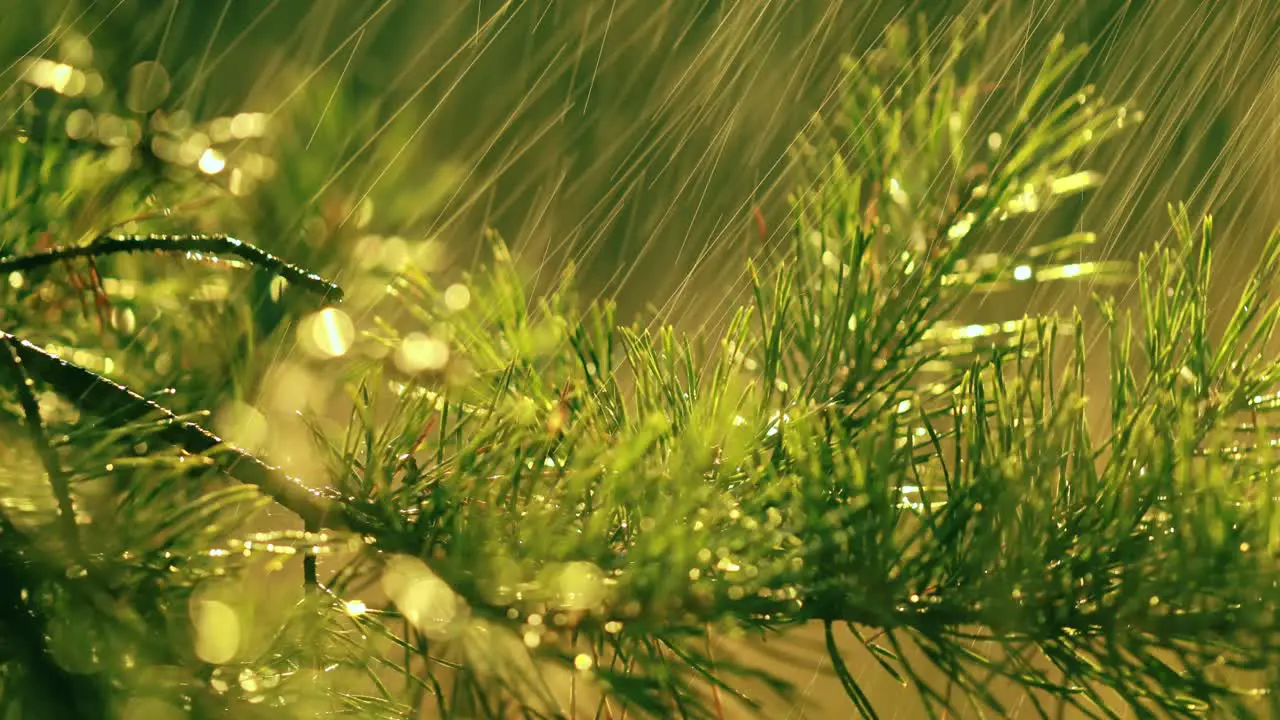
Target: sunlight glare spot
<point x="330" y="333"/>
<point x="425" y="601"/>
<point x="191" y="152"/>
<point x="217" y="628"/>
<point x="1022" y="272"/>
<point x="124" y="319"/>
<point x="279" y="284"/>
<point x="148" y="87"/>
<point x="291" y="387"/>
<point x="247" y="125"/>
<point x="237" y="183"/>
<point x="80" y="124"/>
<point x="220" y="129"/>
<point x="1075" y="182"/>
<point x="429" y="255"/>
<point x="212" y="162"/>
<point x="457" y="297"/>
<point x="58" y="77"/>
<point x="242" y="425"/>
<point x="394" y="253"/>
<point x="896" y="192"/>
<point x="961" y="228"/>
<point x="420" y="353"/>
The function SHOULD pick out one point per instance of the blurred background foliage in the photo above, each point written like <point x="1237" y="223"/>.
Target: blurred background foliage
<point x="636" y="135"/>
<point x="645" y="140"/>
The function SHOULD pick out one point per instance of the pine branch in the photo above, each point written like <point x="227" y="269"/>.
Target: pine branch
<point x="12" y="363"/>
<point x="190" y="245"/>
<point x="521" y="504"/>
<point x="119" y="405"/>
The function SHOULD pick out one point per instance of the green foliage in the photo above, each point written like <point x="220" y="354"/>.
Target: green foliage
<point x="527" y="501"/>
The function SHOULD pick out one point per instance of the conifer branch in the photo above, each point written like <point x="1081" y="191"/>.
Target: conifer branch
<point x="846" y="455"/>
<point x="19" y="380"/>
<point x="119" y="405"/>
<point x="190" y="245"/>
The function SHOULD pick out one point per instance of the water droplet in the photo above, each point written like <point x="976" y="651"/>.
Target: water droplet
<point x="268" y="677"/>
<point x="248" y="680"/>
<point x="580" y="586"/>
<point x="218" y="680"/>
